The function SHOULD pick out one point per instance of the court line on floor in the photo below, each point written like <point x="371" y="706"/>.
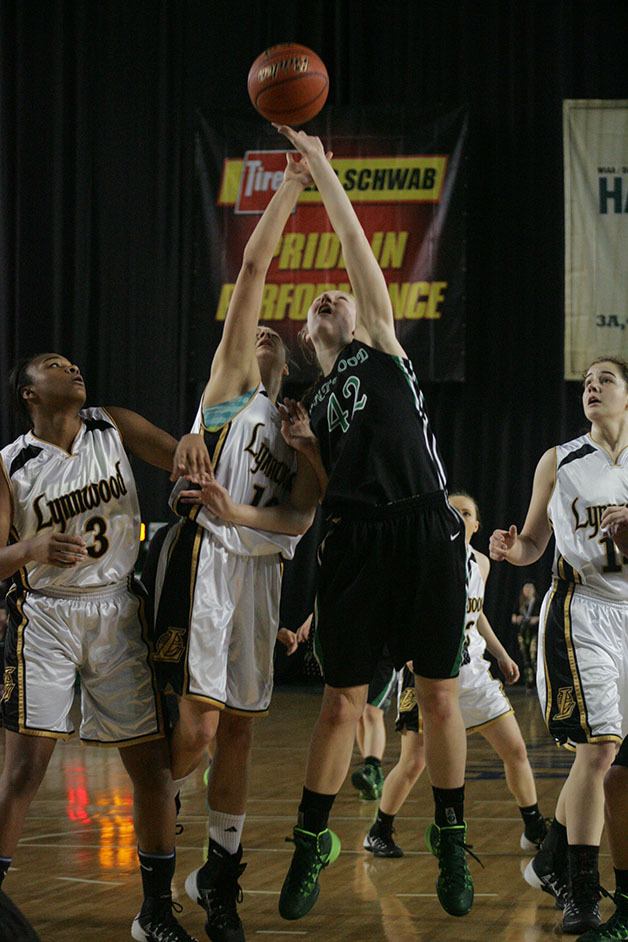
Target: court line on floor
<point x="99" y="882"/>
<point x="276" y="850"/>
<point x="435" y="894"/>
<point x="191" y="818"/>
<point x="44" y="837"/>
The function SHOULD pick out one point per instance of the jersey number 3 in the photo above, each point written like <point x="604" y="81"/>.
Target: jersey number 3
<point x="336" y="415"/>
<point x="613" y="564"/>
<point x="101" y="544"/>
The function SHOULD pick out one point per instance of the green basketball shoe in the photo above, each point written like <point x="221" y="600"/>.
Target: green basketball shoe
<point x="454" y="885"/>
<point x="616" y="929"/>
<point x="369" y="781"/>
<point x="313" y="852"/>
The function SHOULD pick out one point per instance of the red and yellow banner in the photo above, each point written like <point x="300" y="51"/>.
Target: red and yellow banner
<point x="409" y="199"/>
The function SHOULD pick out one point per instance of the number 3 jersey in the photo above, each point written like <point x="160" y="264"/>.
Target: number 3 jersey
<point x="255" y="465"/>
<point x="376" y="442"/>
<point x="587" y="481"/>
<point x="87" y="492"/>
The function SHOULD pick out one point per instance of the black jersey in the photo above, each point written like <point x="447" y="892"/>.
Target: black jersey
<point x="375" y="438"/>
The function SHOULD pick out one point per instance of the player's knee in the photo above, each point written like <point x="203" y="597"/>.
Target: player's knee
<point x="236" y="731"/>
<point x="373" y="713"/>
<point x="201" y="732"/>
<point x="340" y="710"/>
<point x="595" y="759"/>
<point x="24" y="778"/>
<point x="439" y="704"/>
<point x="615" y="785"/>
<point x="154" y="781"/>
<point x="518" y="754"/>
<point x="413" y="766"/>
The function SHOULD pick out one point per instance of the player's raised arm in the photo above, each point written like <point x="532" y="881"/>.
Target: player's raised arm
<point x="144" y="439"/>
<point x="522" y="549"/>
<point x="375" y="322"/>
<point x="234" y="367"/>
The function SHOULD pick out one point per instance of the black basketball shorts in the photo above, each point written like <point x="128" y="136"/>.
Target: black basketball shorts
<point x="392" y="578"/>
<point x="622" y="756"/>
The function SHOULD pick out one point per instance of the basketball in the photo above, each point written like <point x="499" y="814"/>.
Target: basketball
<point x="288" y="84"/>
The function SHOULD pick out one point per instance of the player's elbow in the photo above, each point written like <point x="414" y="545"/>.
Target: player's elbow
<point x="252" y="267"/>
<point x="302" y="521"/>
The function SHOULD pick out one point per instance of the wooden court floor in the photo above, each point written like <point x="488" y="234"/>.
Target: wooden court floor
<point x="76" y="876"/>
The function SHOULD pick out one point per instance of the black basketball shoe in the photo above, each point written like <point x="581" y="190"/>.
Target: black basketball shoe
<point x="215" y="887"/>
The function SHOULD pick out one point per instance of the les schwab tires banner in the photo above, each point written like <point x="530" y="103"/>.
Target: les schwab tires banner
<point x="595" y="138"/>
<point x="405" y="178"/>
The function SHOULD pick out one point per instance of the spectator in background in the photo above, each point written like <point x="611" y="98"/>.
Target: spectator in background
<point x="526" y="620"/>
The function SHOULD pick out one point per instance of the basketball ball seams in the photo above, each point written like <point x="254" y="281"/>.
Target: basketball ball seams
<point x="284" y="112"/>
<point x="291" y="81"/>
<point x="288" y="83"/>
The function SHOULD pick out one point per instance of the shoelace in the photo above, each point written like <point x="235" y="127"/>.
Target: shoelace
<point x="304" y="871"/>
<point x="457" y="865"/>
<point x="557" y="886"/>
<point x="584" y="892"/>
<point x="163" y="927"/>
<point x="220" y="900"/>
<point x="547" y="823"/>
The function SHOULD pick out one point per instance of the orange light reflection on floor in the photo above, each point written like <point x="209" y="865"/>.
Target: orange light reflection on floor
<point x="116" y="832"/>
<point x="112" y="815"/>
<point x="77" y="795"/>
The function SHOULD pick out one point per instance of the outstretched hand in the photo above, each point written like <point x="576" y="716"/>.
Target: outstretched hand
<point x="295" y="425"/>
<point x="292" y="639"/>
<point x="191" y="459"/>
<point x="288" y="639"/>
<point x="297" y="170"/>
<point x="307" y="145"/>
<point x="303" y="632"/>
<point x="214" y="497"/>
<point x="501" y="542"/>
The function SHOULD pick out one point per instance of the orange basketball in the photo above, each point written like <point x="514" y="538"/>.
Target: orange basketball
<point x="288" y="84"/>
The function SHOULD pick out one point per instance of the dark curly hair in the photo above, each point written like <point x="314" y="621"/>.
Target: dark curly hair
<point x="18" y="379"/>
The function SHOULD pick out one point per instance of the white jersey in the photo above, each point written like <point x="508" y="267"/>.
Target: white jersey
<point x="474" y="643"/>
<point x="256" y="466"/>
<point x="587" y="481"/>
<point x="88" y="492"/>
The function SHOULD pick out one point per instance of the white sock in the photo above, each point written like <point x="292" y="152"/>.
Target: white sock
<point x="226" y="829"/>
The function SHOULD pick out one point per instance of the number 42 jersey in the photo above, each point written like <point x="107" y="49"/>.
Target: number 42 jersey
<point x="375" y="438"/>
<point x="587" y="482"/>
<point x="88" y="492"/>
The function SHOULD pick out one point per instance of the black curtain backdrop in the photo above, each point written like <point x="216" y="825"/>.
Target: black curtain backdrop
<point x="98" y="105"/>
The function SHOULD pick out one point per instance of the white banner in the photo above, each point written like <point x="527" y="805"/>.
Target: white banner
<point x="595" y="139"/>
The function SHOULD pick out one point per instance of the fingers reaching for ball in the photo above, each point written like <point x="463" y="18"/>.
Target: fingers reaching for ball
<point x="311" y="147"/>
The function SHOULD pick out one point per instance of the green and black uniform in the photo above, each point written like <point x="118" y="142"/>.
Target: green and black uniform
<point x="392" y="560"/>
